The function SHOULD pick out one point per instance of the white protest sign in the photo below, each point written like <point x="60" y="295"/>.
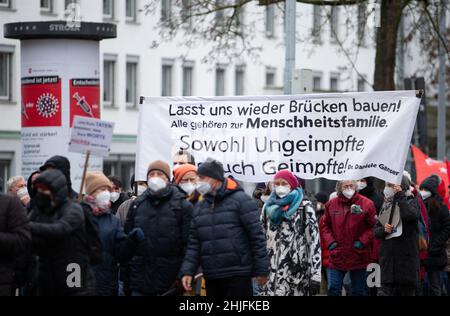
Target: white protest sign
<point x="90" y="134"/>
<point x="336" y="136"/>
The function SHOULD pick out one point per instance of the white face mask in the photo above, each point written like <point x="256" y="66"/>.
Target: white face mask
<point x="114" y="196"/>
<point x="348" y="193"/>
<point x="188" y="187"/>
<point x="282" y="190"/>
<point x="156" y="184"/>
<point x="141" y="189"/>
<point x="361" y="185"/>
<point x="425" y="194"/>
<point x="103" y="200"/>
<point x="264" y="198"/>
<point x="22" y="192"/>
<point x="388" y="192"/>
<point x="203" y="187"/>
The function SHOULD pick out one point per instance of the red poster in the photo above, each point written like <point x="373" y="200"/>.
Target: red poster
<point x="41" y="101"/>
<point x="84" y="98"/>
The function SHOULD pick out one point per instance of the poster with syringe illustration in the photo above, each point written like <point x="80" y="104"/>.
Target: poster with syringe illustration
<point x="84" y="98"/>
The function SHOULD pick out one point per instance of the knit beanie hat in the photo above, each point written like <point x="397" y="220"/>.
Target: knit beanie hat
<point x="95" y="180"/>
<point x="160" y="166"/>
<point x="182" y="170"/>
<point x="289" y="177"/>
<point x="211" y="168"/>
<point x="431" y="184"/>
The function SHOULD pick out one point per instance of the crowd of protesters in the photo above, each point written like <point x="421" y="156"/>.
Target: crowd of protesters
<point x="188" y="230"/>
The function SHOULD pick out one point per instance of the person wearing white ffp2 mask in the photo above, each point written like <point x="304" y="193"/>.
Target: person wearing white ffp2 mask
<point x="186" y="178"/>
<point x="98" y="193"/>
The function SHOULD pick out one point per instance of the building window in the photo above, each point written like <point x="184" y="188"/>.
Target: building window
<point x="239" y="75"/>
<point x="270" y="20"/>
<point x="317" y="23"/>
<point x="219" y="14"/>
<point x="361" y="84"/>
<point x="132" y="82"/>
<point x="188" y="78"/>
<point x="186" y="13"/>
<point x="108" y="9"/>
<point x="4" y="173"/>
<point x="166" y="81"/>
<point x="270" y="77"/>
<point x="166" y="9"/>
<point x="109" y="80"/>
<point x="130" y="10"/>
<point x="334" y="82"/>
<point x="5" y="3"/>
<point x="361" y="23"/>
<point x="240" y="17"/>
<point x="47" y="6"/>
<point x="120" y="165"/>
<point x="220" y="80"/>
<point x="67" y="2"/>
<point x="334" y="24"/>
<point x="317" y="82"/>
<point x="5" y="75"/>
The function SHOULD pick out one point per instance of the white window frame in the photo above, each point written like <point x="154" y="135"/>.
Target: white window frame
<point x="8" y="51"/>
<point x="334" y="76"/>
<point x="317" y="23"/>
<point x="67" y="2"/>
<point x="317" y="75"/>
<point x="132" y="60"/>
<point x="188" y="65"/>
<point x="109" y="16"/>
<point x="363" y="81"/>
<point x="166" y="10"/>
<point x="8" y="4"/>
<point x="110" y="59"/>
<point x="270" y="20"/>
<point x="361" y="24"/>
<point x="237" y="70"/>
<point x="167" y="63"/>
<point x="186" y="14"/>
<point x="46" y="9"/>
<point x="220" y="68"/>
<point x="132" y="18"/>
<point x="334" y="25"/>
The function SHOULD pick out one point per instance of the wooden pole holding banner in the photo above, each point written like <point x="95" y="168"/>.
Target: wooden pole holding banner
<point x="86" y="161"/>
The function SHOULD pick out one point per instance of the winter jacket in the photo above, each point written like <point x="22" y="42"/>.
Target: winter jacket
<point x="226" y="238"/>
<point x="399" y="256"/>
<point x="60" y="241"/>
<point x="372" y="194"/>
<point x="439" y="220"/>
<point x="323" y="246"/>
<point x="345" y="226"/>
<point x="15" y="239"/>
<point x="122" y="198"/>
<point x="62" y="164"/>
<point x="294" y="253"/>
<point x="164" y="218"/>
<point x="112" y="238"/>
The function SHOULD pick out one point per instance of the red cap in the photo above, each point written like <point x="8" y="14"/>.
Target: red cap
<point x="288" y="176"/>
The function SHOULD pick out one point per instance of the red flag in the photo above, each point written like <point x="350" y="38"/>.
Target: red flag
<point x="426" y="166"/>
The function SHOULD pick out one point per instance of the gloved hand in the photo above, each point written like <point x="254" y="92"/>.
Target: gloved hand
<point x="137" y="234"/>
<point x="358" y="245"/>
<point x="332" y="246"/>
<point x="314" y="288"/>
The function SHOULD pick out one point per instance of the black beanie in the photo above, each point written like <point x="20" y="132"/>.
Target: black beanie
<point x="211" y="168"/>
<point x="431" y="184"/>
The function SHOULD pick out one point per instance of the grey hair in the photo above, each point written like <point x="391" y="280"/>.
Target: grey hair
<point x="339" y="185"/>
<point x="12" y="181"/>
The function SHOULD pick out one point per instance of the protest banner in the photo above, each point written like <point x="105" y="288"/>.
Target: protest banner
<point x="90" y="136"/>
<point x="336" y="136"/>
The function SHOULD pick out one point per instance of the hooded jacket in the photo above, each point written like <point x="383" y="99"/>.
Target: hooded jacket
<point x="62" y="164"/>
<point x="59" y="239"/>
<point x="226" y="237"/>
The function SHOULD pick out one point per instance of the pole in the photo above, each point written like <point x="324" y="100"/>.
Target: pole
<point x="86" y="161"/>
<point x="290" y="45"/>
<point x="441" y="134"/>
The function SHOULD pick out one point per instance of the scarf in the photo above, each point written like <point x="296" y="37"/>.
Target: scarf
<point x="386" y="210"/>
<point x="90" y="200"/>
<point x="278" y="208"/>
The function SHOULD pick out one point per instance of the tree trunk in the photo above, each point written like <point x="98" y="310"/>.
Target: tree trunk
<point x="386" y="44"/>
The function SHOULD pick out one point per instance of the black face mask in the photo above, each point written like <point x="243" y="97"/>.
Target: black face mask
<point x="43" y="202"/>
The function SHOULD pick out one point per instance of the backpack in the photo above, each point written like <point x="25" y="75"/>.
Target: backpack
<point x="94" y="244"/>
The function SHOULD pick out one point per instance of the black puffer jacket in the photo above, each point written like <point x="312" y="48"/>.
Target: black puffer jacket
<point x="62" y="164"/>
<point x="15" y="239"/>
<point x="439" y="219"/>
<point x="165" y="219"/>
<point x="399" y="256"/>
<point x="226" y="237"/>
<point x="371" y="193"/>
<point x="59" y="239"/>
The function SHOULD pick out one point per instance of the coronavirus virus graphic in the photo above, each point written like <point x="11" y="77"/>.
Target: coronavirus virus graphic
<point x="47" y="105"/>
